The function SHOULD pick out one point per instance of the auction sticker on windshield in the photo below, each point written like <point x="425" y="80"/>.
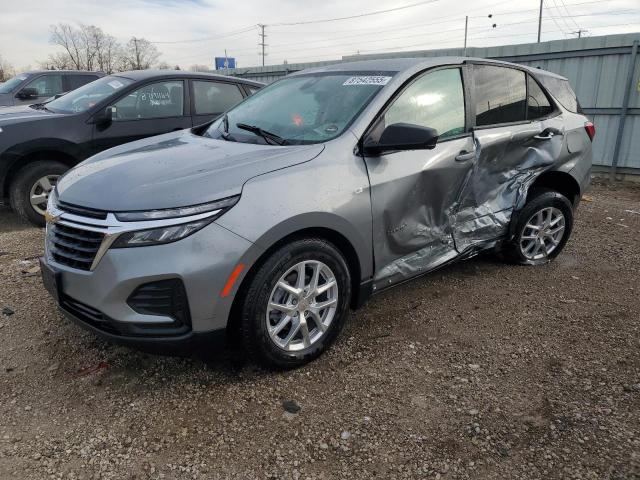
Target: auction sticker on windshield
<point x="368" y="80"/>
<point x="115" y="84"/>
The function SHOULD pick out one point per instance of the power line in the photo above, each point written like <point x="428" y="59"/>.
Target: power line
<point x="325" y="20"/>
<point x="212" y="37"/>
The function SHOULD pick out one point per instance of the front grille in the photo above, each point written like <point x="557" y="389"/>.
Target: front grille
<point x="73" y="247"/>
<point x="166" y="298"/>
<point x="82" y="211"/>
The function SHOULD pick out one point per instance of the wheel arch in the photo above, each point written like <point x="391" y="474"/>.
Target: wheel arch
<point x="335" y="237"/>
<point x="22" y="160"/>
<point x="559" y="181"/>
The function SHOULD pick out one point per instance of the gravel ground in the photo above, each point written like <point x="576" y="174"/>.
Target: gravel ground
<point x="482" y="370"/>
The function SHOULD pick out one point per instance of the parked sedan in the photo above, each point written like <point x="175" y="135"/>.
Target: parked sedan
<point x="37" y="86"/>
<point x="320" y="190"/>
<point x="38" y="143"/>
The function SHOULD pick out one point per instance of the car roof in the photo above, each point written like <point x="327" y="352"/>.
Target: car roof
<point x="33" y="72"/>
<point x="399" y="65"/>
<point x="138" y="75"/>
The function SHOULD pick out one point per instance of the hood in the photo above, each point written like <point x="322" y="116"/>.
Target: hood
<point x="173" y="170"/>
<point x="23" y="113"/>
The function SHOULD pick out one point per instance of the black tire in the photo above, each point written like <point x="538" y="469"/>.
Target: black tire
<point x="24" y="180"/>
<point x="540" y="199"/>
<point x="253" y="324"/>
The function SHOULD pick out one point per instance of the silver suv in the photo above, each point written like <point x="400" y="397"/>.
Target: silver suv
<point x="320" y="190"/>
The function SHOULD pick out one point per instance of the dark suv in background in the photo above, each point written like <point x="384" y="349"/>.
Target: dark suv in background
<point x="38" y="143"/>
<point x="38" y="86"/>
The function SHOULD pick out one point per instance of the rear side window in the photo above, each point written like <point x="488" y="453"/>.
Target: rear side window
<point x="435" y="100"/>
<point x="214" y="97"/>
<point x="538" y="105"/>
<point x="561" y="91"/>
<point x="501" y="95"/>
<point x="76" y="81"/>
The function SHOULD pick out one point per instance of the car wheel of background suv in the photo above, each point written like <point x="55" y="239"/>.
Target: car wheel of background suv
<point x="295" y="303"/>
<point x="543" y="228"/>
<point x="30" y="189"/>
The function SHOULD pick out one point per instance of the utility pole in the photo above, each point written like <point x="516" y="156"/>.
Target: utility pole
<point x="540" y="21"/>
<point x="466" y="28"/>
<point x="580" y="32"/>
<point x="262" y="43"/>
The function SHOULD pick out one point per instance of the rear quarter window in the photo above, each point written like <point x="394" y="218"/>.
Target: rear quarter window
<point x="561" y="90"/>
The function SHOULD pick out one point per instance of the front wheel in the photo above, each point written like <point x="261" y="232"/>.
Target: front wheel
<point x="30" y="189"/>
<point x="543" y="229"/>
<point x="296" y="303"/>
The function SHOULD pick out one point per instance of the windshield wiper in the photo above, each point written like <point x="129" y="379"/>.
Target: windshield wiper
<point x="40" y="106"/>
<point x="268" y="136"/>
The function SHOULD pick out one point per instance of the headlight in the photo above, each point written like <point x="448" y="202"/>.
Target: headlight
<point x="221" y="205"/>
<point x="158" y="236"/>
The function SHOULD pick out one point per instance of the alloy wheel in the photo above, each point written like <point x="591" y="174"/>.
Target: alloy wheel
<point x="542" y="233"/>
<point x="302" y="305"/>
<point x="40" y="191"/>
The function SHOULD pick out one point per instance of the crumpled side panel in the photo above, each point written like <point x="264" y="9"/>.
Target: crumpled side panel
<point x="507" y="163"/>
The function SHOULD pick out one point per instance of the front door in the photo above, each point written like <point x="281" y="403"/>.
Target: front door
<point x="153" y="109"/>
<point x="44" y="87"/>
<point x="414" y="193"/>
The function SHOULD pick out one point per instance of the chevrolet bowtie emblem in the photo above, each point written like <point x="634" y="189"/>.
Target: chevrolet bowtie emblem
<point x="50" y="218"/>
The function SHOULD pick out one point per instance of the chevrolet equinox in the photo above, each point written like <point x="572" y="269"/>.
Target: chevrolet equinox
<point x="323" y="188"/>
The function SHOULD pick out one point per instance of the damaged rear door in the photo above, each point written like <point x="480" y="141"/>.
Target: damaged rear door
<point x="517" y="135"/>
<point x="414" y="193"/>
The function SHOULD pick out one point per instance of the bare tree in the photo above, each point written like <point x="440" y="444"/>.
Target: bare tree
<point x="87" y="47"/>
<point x="57" y="61"/>
<point x="6" y="70"/>
<point x="69" y="38"/>
<point x="141" y="54"/>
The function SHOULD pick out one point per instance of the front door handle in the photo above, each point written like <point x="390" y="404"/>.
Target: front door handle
<point x="464" y="156"/>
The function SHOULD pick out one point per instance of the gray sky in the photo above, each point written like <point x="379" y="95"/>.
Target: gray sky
<point x="24" y="26"/>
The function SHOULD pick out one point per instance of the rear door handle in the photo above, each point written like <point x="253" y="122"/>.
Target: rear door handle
<point x="548" y="134"/>
<point x="464" y="156"/>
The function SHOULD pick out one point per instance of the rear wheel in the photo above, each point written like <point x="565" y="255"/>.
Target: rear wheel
<point x="296" y="303"/>
<point x="543" y="229"/>
<point x="30" y="189"/>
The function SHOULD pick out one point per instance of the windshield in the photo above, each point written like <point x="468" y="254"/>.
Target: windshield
<point x="302" y="109"/>
<point x="9" y="85"/>
<point x="87" y="96"/>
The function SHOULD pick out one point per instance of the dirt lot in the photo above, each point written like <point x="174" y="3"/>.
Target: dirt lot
<point x="482" y="370"/>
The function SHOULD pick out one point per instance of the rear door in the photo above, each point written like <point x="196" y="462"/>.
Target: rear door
<point x="517" y="134"/>
<point x="209" y="99"/>
<point x="414" y="193"/>
<point x="155" y="108"/>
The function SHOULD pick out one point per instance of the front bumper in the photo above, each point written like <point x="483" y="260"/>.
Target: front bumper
<point x="97" y="299"/>
<point x="191" y="343"/>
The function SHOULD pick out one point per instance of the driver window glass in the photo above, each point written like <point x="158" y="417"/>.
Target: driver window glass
<point x="156" y="100"/>
<point x="436" y="100"/>
<point x="46" y="85"/>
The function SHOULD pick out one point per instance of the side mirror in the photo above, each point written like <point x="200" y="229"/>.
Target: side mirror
<point x="27" y="93"/>
<point x="402" y="136"/>
<point x="105" y="117"/>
